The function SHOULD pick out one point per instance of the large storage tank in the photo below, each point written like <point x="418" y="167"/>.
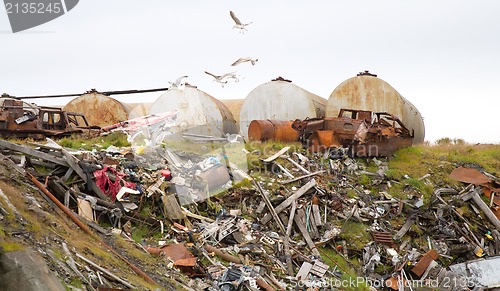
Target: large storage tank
<point x="139" y="109"/>
<point x="99" y="109"/>
<point x="199" y="113"/>
<point x="367" y="92"/>
<point x="234" y="105"/>
<point x="279" y="100"/>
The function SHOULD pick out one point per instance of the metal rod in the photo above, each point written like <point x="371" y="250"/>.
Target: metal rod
<point x="120" y="92"/>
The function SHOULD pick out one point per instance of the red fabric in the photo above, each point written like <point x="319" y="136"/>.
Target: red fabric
<point x="109" y="187"/>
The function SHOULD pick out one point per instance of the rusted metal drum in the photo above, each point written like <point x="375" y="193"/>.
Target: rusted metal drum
<point x="199" y="113"/>
<point x="272" y="130"/>
<point x="99" y="109"/>
<point x="367" y="92"/>
<point x="279" y="100"/>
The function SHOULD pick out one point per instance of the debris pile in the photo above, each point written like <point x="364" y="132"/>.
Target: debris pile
<point x="293" y="219"/>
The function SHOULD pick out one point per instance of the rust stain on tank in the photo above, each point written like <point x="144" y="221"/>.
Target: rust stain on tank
<point x="367" y="92"/>
<point x="99" y="109"/>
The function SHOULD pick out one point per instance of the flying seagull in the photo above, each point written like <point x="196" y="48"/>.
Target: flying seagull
<point x="223" y="79"/>
<point x="178" y="83"/>
<point x="243" y="60"/>
<point x="238" y="24"/>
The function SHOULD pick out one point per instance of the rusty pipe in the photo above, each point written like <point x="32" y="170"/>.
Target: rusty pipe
<point x="272" y="129"/>
<point x="222" y="255"/>
<point x="263" y="284"/>
<point x="86" y="229"/>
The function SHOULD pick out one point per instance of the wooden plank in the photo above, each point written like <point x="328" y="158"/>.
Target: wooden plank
<point x="68" y="174"/>
<point x="284" y="170"/>
<point x="402" y="231"/>
<point x="32" y="152"/>
<point x="311" y="224"/>
<point x="319" y="269"/>
<point x="288" y="256"/>
<point x="303" y="177"/>
<point x="276" y="155"/>
<point x="298" y="166"/>
<point x="85" y="210"/>
<point x="486" y="210"/>
<point x="271" y="208"/>
<point x="171" y="208"/>
<point x="284" y="205"/>
<point x="316" y="215"/>
<point x="73" y="163"/>
<point x="304" y="271"/>
<point x="300" y="218"/>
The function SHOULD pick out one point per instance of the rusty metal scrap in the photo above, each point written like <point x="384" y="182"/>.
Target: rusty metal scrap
<point x="19" y="120"/>
<point x="365" y="133"/>
<point x="383" y="238"/>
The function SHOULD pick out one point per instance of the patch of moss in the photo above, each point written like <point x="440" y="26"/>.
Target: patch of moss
<point x="356" y="234"/>
<point x="364" y="180"/>
<point x="6" y="246"/>
<point x="337" y="262"/>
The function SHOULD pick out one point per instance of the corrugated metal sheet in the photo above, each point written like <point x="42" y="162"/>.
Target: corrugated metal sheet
<point x="371" y="93"/>
<point x="279" y="100"/>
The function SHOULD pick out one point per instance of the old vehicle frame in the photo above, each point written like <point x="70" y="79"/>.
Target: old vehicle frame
<point x="365" y="133"/>
<point x="23" y="120"/>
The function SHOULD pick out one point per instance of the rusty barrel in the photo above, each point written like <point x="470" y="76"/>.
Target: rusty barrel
<point x="272" y="130"/>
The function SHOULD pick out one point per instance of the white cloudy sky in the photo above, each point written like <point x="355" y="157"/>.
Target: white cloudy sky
<point x="443" y="56"/>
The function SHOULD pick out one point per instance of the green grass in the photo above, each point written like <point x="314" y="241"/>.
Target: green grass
<point x="356" y="234"/>
<point x="439" y="161"/>
<point x="6" y="246"/>
<point x="116" y="139"/>
<point x="337" y="262"/>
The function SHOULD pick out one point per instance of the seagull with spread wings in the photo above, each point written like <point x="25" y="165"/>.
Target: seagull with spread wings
<point x="178" y="84"/>
<point x="243" y="60"/>
<point x="223" y="79"/>
<point x="238" y="24"/>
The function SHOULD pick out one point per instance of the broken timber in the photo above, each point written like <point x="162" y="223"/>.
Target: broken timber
<point x="284" y="205"/>
<point x="303" y="177"/>
<point x="300" y="221"/>
<point x="32" y="152"/>
<point x="276" y="155"/>
<point x="270" y="207"/>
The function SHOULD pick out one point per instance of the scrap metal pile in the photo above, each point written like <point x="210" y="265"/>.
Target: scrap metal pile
<point x="364" y="133"/>
<point x="296" y="220"/>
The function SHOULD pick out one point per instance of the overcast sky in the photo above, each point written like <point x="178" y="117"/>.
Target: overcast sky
<point x="443" y="56"/>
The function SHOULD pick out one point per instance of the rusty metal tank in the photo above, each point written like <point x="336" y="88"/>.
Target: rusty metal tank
<point x="272" y="130"/>
<point x="279" y="100"/>
<point x="99" y="109"/>
<point x="368" y="92"/>
<point x="199" y="113"/>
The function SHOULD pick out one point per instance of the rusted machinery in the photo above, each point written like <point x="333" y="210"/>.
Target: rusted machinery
<point x="364" y="133"/>
<point x="20" y="119"/>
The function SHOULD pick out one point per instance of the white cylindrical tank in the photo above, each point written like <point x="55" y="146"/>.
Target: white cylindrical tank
<point x="367" y="92"/>
<point x="279" y="100"/>
<point x="199" y="113"/>
<point x="99" y="109"/>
